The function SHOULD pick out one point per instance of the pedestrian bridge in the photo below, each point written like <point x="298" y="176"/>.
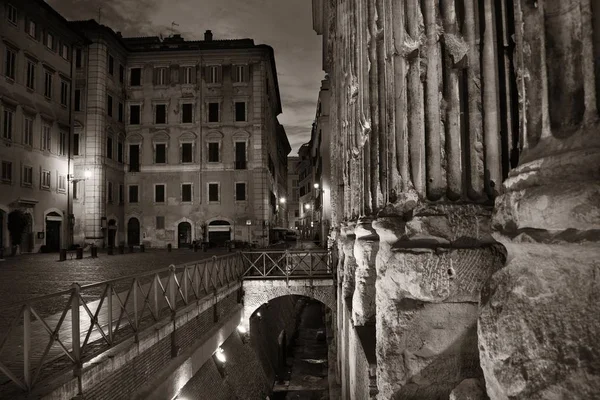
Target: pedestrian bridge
<point x="57" y="343"/>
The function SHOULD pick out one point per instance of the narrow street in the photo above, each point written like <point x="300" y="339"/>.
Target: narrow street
<point x="308" y="378"/>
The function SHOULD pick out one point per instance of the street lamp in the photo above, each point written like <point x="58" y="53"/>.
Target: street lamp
<point x="282" y="200"/>
<point x="316" y="186"/>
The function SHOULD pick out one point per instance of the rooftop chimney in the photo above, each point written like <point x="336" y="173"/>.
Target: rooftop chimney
<point x="208" y="35"/>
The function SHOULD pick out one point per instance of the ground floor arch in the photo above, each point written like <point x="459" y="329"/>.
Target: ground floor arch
<point x="133" y="231"/>
<point x="219" y="232"/>
<point x="53" y="221"/>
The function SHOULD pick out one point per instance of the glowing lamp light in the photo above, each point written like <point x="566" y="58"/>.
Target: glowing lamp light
<point x="282" y="200"/>
<point x="87" y="174"/>
<point x="258" y="314"/>
<point x="307" y="206"/>
<point x="220" y="354"/>
<point x="241" y="328"/>
<point x="316" y="185"/>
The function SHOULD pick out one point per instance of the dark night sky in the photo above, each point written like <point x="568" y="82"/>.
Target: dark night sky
<point x="286" y="25"/>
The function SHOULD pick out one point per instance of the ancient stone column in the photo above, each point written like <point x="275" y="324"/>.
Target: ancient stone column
<point x="539" y="324"/>
<point x="431" y="265"/>
<point x="365" y="275"/>
<point x="346" y="243"/>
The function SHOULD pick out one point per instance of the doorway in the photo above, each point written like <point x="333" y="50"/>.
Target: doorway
<point x="53" y="223"/>
<point x="112" y="232"/>
<point x="219" y="232"/>
<point x="133" y="232"/>
<point x="184" y="234"/>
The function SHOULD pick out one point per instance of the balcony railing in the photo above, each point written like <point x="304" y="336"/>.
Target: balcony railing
<point x="287" y="264"/>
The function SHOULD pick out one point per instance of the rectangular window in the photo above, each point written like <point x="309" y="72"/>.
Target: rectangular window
<point x="160" y="76"/>
<point x="160" y="153"/>
<point x="62" y="143"/>
<point x="30" y="81"/>
<point x="240" y="155"/>
<point x="62" y="183"/>
<point x="8" y="123"/>
<point x="121" y="194"/>
<point x="186" y="192"/>
<point x="213" y="152"/>
<point x="46" y="137"/>
<point x="75" y="190"/>
<point x="159" y="193"/>
<point x="109" y="105"/>
<point x="134" y="114"/>
<point x="240" y="111"/>
<point x="187" y="116"/>
<point x="48" y="84"/>
<point x="187" y="154"/>
<point x="187" y="75"/>
<point x="135" y="77"/>
<point x="134" y="158"/>
<point x="32" y="29"/>
<point x="120" y="111"/>
<point x="109" y="148"/>
<point x="214" y="74"/>
<point x="121" y="73"/>
<point x="109" y="192"/>
<point x="64" y="93"/>
<point x="45" y="180"/>
<point x="240" y="191"/>
<point x="213" y="112"/>
<point x="50" y="41"/>
<point x="77" y="100"/>
<point x="27" y="176"/>
<point x="296" y="214"/>
<point x="6" y="172"/>
<point x="28" y="131"/>
<point x="12" y="14"/>
<point x="240" y="73"/>
<point x="64" y="51"/>
<point x="160" y="222"/>
<point x="111" y="65"/>
<point x="160" y="114"/>
<point x="76" y="144"/>
<point x="133" y="193"/>
<point x="120" y="151"/>
<point x="78" y="58"/>
<point x="213" y="192"/>
<point x="10" y="63"/>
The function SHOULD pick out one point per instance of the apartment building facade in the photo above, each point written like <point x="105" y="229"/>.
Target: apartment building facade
<point x="293" y="201"/>
<point x="36" y="53"/>
<point x="181" y="141"/>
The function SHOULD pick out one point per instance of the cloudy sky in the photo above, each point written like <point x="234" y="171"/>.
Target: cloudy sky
<point x="286" y="25"/>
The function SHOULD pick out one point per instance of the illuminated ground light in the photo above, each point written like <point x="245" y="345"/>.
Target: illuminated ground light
<point x="220" y="354"/>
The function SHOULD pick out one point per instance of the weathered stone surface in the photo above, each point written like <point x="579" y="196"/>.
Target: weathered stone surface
<point x="469" y="389"/>
<point x="365" y="251"/>
<point x="346" y="243"/>
<point x="426" y="313"/>
<point x="539" y="324"/>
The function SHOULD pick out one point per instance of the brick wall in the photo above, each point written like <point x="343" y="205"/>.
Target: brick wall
<point x="136" y="372"/>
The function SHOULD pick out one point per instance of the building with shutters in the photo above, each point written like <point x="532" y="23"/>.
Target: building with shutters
<point x="36" y="58"/>
<point x="180" y="139"/>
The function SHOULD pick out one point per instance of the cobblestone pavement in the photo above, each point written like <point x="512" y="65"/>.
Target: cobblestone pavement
<point x="31" y="275"/>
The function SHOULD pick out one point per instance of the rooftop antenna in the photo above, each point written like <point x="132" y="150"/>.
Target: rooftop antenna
<point x="173" y="25"/>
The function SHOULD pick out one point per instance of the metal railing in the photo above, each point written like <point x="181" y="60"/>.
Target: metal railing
<point x="57" y="332"/>
<point x="286" y="264"/>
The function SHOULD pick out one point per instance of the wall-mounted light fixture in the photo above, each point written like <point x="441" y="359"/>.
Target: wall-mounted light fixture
<point x="282" y="200"/>
<point x="307" y="206"/>
<point x="86" y="175"/>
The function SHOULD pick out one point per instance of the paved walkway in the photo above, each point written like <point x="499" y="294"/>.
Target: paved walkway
<point x="31" y="275"/>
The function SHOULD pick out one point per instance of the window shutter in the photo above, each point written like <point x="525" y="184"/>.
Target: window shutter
<point x="247" y="73"/>
<point x="219" y="74"/>
<point x="154" y="76"/>
<point x="194" y="72"/>
<point x="175" y="77"/>
<point x="233" y="71"/>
